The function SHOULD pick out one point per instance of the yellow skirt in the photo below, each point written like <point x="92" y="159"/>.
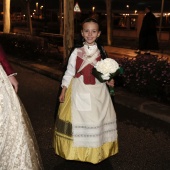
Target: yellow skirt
<point x="63" y="140"/>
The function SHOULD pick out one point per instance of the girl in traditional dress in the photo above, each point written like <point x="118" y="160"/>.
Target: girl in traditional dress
<point x="85" y="128"/>
<point x="18" y="146"/>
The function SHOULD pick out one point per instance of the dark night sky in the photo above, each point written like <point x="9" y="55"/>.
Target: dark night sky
<point x="121" y="4"/>
<point x="100" y="4"/>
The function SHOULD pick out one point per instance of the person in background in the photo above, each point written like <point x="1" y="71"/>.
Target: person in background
<point x="148" y="36"/>
<point x="18" y="145"/>
<point x="86" y="127"/>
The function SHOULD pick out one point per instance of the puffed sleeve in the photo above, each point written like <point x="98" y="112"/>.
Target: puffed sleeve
<point x="71" y="69"/>
<point x="6" y="66"/>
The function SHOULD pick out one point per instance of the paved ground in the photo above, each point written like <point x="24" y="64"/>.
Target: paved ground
<point x="53" y="69"/>
<point x="143" y="140"/>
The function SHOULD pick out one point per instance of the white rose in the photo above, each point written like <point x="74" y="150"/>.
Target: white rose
<point x="107" y="66"/>
<point x="106" y="76"/>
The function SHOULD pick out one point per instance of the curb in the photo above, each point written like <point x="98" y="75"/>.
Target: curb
<point x="42" y="69"/>
<point x="143" y="105"/>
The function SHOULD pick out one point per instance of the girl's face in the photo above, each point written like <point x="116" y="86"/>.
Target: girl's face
<point x="90" y="32"/>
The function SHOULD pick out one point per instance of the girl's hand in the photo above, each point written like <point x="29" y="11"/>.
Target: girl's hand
<point x="62" y="95"/>
<point x="14" y="82"/>
<point x="110" y="83"/>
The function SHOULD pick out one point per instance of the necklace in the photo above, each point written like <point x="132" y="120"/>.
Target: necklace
<point x="89" y="58"/>
<point x="88" y="45"/>
<point x="88" y="54"/>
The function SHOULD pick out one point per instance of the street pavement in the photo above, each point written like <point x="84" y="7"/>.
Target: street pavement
<point x="143" y="140"/>
<point x="54" y="70"/>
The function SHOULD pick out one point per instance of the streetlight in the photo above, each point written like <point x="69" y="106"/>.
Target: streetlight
<point x="37" y="6"/>
<point x="24" y="16"/>
<point x="127" y="18"/>
<point x="127" y="6"/>
<point x="41" y="12"/>
<point x="37" y="9"/>
<point x="41" y="7"/>
<point x="93" y="8"/>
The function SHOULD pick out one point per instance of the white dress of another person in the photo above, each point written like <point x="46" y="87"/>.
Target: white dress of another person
<point x="18" y="145"/>
<point x="85" y="128"/>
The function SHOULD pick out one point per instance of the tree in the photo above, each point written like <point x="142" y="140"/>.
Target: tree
<point x="68" y="39"/>
<point x="61" y="16"/>
<point x="29" y="17"/>
<point x="109" y="22"/>
<point x="6" y="16"/>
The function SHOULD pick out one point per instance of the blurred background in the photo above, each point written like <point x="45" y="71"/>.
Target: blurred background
<point x="47" y="14"/>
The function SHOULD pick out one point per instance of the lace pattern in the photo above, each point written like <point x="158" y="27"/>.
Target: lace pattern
<point x="18" y="146"/>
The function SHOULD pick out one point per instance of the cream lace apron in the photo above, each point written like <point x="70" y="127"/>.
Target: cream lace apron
<point x="93" y="114"/>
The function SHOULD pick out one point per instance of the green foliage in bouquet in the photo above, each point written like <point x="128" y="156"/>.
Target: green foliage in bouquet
<point x="98" y="75"/>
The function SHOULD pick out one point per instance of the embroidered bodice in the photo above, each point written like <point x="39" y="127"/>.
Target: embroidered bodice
<point x="80" y="59"/>
<point x="86" y="70"/>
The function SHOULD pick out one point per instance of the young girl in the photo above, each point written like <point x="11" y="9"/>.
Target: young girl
<point x="18" y="146"/>
<point x="85" y="128"/>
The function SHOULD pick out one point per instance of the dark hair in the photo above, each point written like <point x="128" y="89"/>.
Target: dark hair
<point x="79" y="42"/>
<point x="149" y="7"/>
<point x="90" y="20"/>
<point x="100" y="47"/>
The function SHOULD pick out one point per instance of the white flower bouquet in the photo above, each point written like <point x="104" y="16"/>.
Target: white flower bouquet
<point x="105" y="70"/>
